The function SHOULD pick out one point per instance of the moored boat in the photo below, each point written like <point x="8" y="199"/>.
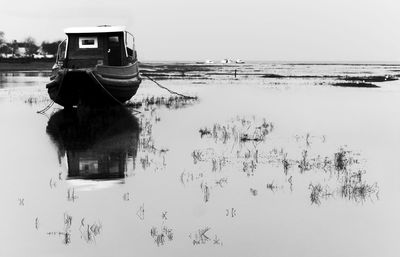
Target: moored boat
<point x="226" y="61"/>
<point x="95" y="66"/>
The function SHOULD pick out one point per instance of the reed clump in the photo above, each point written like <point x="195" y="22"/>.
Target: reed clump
<point x="161" y="236"/>
<point x="171" y="102"/>
<point x="318" y="192"/>
<point x="354" y="187"/>
<point x="240" y="129"/>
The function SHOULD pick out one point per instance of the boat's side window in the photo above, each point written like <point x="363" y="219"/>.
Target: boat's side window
<point x="61" y="53"/>
<point x="88" y="42"/>
<point x="61" y="50"/>
<point x="130" y="46"/>
<point x="114" y="39"/>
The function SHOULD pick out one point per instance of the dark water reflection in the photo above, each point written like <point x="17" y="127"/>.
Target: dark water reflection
<point x="97" y="143"/>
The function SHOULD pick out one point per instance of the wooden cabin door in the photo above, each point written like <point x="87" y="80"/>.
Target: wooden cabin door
<point x="114" y="51"/>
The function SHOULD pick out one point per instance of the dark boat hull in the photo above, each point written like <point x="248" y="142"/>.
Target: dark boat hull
<point x="100" y="86"/>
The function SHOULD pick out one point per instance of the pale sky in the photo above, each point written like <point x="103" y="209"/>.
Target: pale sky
<point x="270" y="30"/>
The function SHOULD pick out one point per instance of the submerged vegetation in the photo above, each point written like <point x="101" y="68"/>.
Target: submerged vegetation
<point x="88" y="231"/>
<point x="203" y="236"/>
<point x="162" y="235"/>
<point x="241" y="142"/>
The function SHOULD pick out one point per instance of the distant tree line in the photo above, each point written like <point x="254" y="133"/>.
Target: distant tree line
<point x="27" y="48"/>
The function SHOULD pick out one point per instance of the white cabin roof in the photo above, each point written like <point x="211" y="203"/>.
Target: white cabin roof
<point x="99" y="29"/>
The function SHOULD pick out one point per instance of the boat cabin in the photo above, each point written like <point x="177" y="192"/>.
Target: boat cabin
<point x="87" y="47"/>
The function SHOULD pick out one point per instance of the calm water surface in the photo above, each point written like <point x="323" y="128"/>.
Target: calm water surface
<point x="255" y="167"/>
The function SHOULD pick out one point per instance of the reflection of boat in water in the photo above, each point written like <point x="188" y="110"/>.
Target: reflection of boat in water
<point x="97" y="143"/>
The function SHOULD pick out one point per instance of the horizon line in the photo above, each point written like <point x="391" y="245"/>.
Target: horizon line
<point x="298" y="62"/>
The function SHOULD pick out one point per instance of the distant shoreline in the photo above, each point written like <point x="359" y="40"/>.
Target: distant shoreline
<point x="46" y="65"/>
<point x="26" y="66"/>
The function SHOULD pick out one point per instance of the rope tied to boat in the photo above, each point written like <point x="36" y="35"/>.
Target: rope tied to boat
<point x="46" y="108"/>
<point x="116" y="100"/>
<point x="105" y="90"/>
<point x="169" y="90"/>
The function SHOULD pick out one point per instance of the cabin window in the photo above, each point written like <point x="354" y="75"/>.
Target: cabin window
<point x="113" y="39"/>
<point x="88" y="42"/>
<point x="130" y="45"/>
<point x="61" y="50"/>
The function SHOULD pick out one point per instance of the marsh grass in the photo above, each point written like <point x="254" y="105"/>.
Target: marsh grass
<point x="343" y="159"/>
<point x="66" y="236"/>
<point x="318" y="192"/>
<point x="242" y="143"/>
<point x="249" y="167"/>
<point x="189" y="177"/>
<point x="354" y="187"/>
<point x="71" y="195"/>
<point x="219" y="163"/>
<point x="66" y="233"/>
<point x="150" y="156"/>
<point x="197" y="156"/>
<point x="206" y="191"/>
<point x="239" y="129"/>
<point x="162" y="235"/>
<point x="271" y="186"/>
<point x="304" y="164"/>
<point x="204" y="132"/>
<point x="286" y="164"/>
<point x="171" y="102"/>
<point x="200" y="237"/>
<point x="349" y="178"/>
<point x="253" y="191"/>
<point x="89" y="232"/>
<point x="221" y="182"/>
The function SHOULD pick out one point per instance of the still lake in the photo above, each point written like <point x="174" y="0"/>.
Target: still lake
<point x="273" y="162"/>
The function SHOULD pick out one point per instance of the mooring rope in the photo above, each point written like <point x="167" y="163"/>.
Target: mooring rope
<point x="169" y="90"/>
<point x="115" y="99"/>
<point x="46" y="108"/>
<point x="101" y="85"/>
<point x="52" y="102"/>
